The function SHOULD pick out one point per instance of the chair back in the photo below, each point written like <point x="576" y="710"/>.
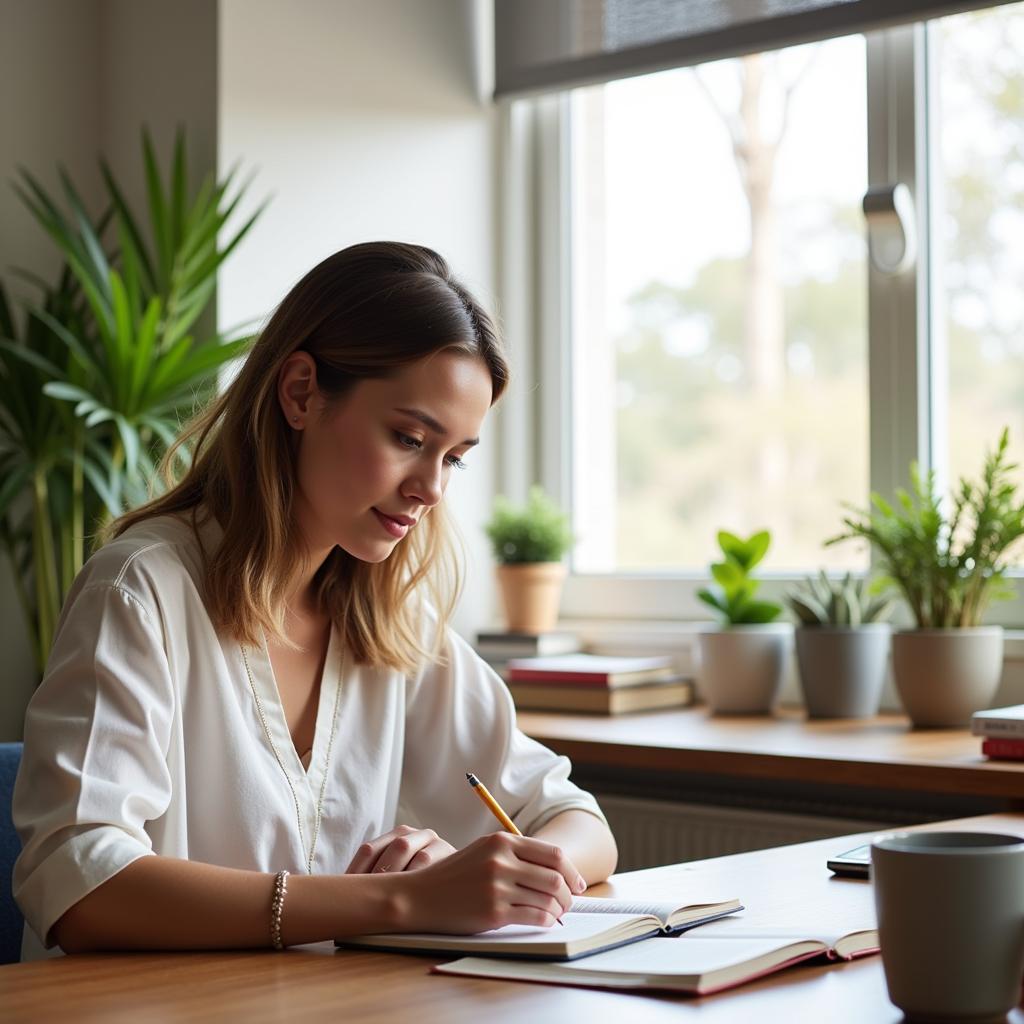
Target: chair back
<point x="11" y="921"/>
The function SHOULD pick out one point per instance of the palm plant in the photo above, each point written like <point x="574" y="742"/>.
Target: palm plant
<point x="106" y="366"/>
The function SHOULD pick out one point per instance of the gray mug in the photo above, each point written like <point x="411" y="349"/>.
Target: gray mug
<point x="951" y="922"/>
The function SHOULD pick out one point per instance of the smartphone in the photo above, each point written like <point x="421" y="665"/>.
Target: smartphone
<point x="853" y="864"/>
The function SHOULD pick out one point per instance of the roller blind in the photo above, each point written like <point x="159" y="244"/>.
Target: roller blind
<point x="544" y="45"/>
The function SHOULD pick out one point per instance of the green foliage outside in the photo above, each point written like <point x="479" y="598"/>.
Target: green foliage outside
<point x="734" y="598"/>
<point x="947" y="567"/>
<point x="98" y="375"/>
<point x="537" y="532"/>
<point x="821" y="601"/>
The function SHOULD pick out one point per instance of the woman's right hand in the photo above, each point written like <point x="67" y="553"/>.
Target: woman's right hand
<point x="498" y="879"/>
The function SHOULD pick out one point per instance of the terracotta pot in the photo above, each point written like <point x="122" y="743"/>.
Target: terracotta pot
<point x="842" y="669"/>
<point x="531" y="592"/>
<point x="944" y="675"/>
<point x="742" y="667"/>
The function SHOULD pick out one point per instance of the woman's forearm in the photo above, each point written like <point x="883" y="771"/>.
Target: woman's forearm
<point x="164" y="903"/>
<point x="586" y="840"/>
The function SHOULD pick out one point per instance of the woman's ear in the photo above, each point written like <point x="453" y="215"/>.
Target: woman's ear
<point x="296" y="388"/>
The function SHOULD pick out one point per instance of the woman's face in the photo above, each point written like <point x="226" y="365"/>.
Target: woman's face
<point x="373" y="463"/>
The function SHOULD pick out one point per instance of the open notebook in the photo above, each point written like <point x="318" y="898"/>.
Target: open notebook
<point x="590" y="926"/>
<point x="694" y="964"/>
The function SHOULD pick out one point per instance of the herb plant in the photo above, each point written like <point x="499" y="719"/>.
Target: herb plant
<point x="947" y="567"/>
<point x="538" y="532"/>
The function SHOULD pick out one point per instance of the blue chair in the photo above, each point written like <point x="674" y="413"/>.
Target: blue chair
<point x="11" y="921"/>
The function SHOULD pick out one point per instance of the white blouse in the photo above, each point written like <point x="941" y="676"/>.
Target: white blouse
<point x="152" y="734"/>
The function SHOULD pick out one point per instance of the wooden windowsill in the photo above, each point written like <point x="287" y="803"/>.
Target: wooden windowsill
<point x="883" y="752"/>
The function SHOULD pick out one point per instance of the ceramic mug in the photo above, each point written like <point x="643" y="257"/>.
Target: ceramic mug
<point x="951" y="922"/>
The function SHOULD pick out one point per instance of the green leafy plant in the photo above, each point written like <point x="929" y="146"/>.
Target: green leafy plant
<point x="105" y="366"/>
<point x="537" y="532"/>
<point x="820" y="601"/>
<point x="947" y="567"/>
<point x="734" y="599"/>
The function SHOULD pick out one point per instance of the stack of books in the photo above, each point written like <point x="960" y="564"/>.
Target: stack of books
<point x="1002" y="732"/>
<point x="496" y="647"/>
<point x="595" y="683"/>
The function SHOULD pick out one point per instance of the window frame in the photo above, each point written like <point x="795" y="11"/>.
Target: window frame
<point x="907" y="373"/>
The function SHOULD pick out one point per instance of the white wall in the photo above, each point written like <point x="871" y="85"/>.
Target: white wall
<point x="365" y="120"/>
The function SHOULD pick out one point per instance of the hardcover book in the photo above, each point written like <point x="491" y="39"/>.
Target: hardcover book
<point x="603" y="700"/>
<point x="694" y="964"/>
<point x="591" y="669"/>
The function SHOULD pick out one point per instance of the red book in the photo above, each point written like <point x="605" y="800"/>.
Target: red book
<point x="590" y="669"/>
<point x="1003" y="749"/>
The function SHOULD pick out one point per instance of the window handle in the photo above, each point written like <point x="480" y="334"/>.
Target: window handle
<point x="892" y="235"/>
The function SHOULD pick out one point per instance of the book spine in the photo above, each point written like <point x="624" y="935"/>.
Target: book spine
<point x="530" y="675"/>
<point x="999" y="728"/>
<point x="1006" y="749"/>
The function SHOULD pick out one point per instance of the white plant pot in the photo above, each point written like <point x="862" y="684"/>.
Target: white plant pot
<point x="842" y="669"/>
<point x="944" y="675"/>
<point x="742" y="667"/>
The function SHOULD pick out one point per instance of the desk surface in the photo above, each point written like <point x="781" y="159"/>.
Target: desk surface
<point x="883" y="752"/>
<point x="784" y="887"/>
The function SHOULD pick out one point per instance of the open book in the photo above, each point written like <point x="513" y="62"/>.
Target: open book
<point x="694" y="964"/>
<point x="590" y="926"/>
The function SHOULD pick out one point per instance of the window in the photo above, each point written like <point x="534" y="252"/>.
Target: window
<point x="733" y="357"/>
<point x="977" y="119"/>
<point x="720" y="314"/>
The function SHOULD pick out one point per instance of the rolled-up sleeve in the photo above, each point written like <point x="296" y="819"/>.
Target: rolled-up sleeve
<point x="460" y="718"/>
<point x="94" y="768"/>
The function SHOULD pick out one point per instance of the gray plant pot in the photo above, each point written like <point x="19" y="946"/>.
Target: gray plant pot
<point x="742" y="667"/>
<point x="944" y="675"/>
<point x="842" y="669"/>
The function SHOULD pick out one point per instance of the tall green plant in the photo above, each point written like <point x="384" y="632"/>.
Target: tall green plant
<point x="948" y="568"/>
<point x="106" y="365"/>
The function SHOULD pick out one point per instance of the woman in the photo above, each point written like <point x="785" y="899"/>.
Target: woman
<point x="255" y="675"/>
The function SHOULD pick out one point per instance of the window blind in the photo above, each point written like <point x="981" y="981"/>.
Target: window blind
<point x="545" y="45"/>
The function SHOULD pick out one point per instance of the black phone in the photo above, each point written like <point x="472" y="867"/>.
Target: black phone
<point x="853" y="864"/>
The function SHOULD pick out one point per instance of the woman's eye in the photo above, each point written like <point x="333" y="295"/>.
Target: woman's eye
<point x="407" y="441"/>
<point x="456" y="462"/>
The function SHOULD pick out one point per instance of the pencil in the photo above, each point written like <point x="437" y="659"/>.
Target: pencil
<point x="493" y="806"/>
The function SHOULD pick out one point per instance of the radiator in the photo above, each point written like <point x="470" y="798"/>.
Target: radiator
<point x="650" y="833"/>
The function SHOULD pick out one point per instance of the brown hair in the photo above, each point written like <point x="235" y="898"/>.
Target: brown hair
<point x="361" y="313"/>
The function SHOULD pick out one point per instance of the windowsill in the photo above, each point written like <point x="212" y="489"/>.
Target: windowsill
<point x="883" y="752"/>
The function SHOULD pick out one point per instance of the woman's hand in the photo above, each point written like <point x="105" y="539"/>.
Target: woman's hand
<point x="402" y="849"/>
<point x="498" y="879"/>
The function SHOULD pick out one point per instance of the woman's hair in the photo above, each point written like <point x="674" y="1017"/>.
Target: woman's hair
<point x="362" y="313"/>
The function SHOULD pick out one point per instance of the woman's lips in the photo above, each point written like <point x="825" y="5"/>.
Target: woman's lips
<point x="394" y="528"/>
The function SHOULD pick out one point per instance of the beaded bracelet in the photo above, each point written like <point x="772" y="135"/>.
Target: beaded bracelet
<point x="276" y="906"/>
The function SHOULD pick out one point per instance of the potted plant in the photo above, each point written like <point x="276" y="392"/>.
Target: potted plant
<point x="742" y="664"/>
<point x="102" y="369"/>
<point x="842" y="647"/>
<point x="948" y="567"/>
<point x="528" y="544"/>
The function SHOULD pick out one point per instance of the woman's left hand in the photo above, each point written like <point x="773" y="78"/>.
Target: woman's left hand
<point x="402" y="849"/>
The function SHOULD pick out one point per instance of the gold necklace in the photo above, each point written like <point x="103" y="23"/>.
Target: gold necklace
<point x="280" y="762"/>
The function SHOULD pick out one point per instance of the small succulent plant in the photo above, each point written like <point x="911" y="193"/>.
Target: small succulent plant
<point x="734" y="599"/>
<point x="826" y="602"/>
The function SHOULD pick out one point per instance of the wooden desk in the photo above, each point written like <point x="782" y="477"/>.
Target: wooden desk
<point x="881" y="753"/>
<point x="785" y="886"/>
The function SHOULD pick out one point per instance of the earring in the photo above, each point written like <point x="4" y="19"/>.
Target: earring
<point x="295" y="419"/>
